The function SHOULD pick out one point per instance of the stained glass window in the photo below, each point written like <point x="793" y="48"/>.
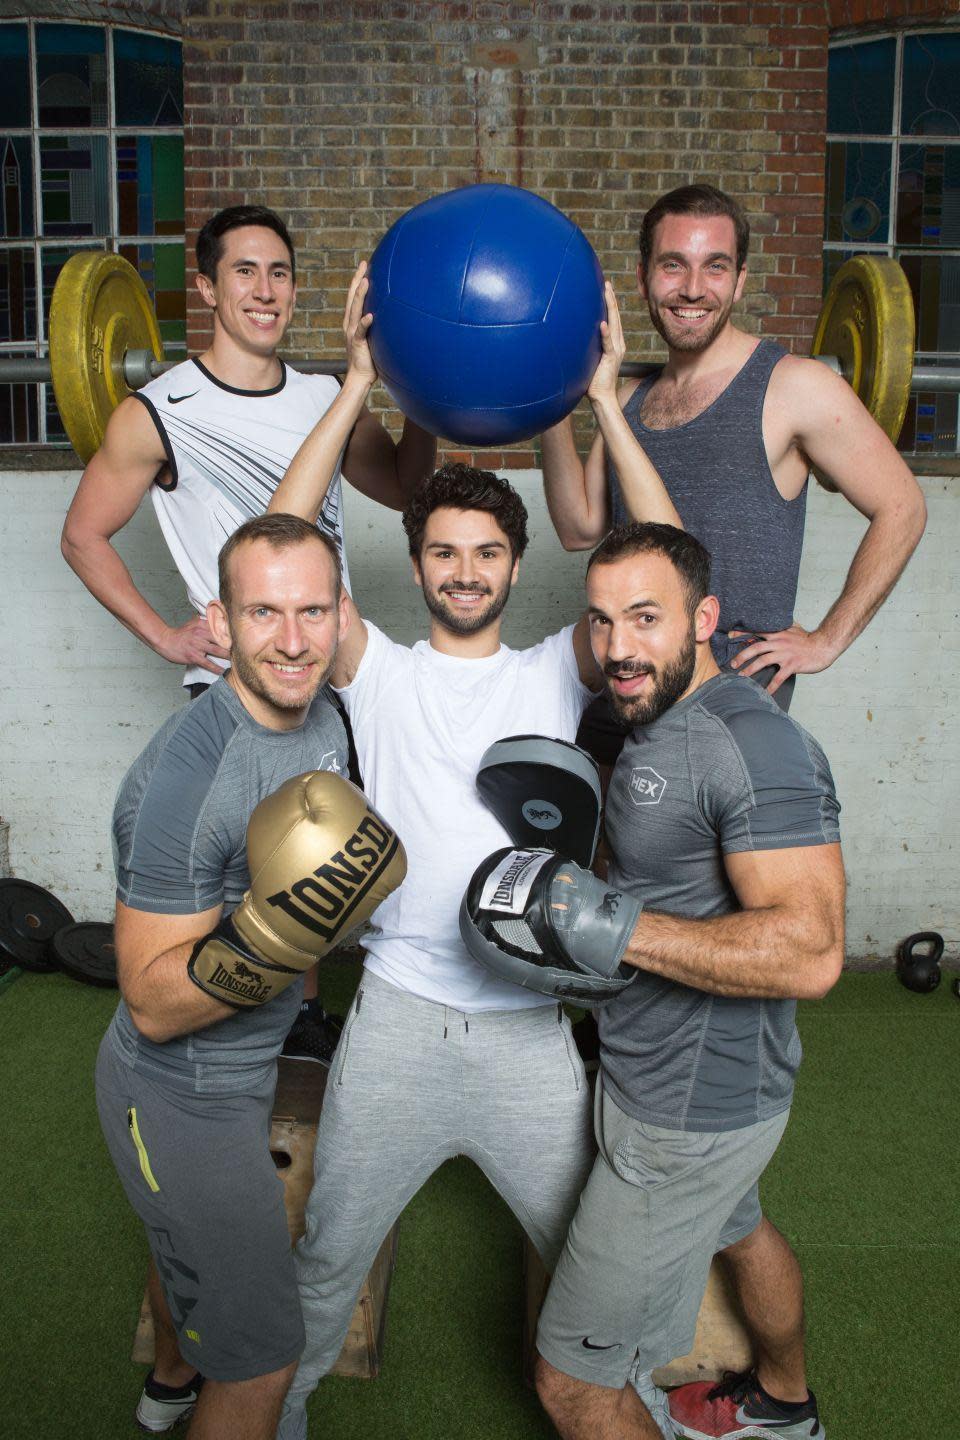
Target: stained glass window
<point x="71" y="75"/>
<point x="15" y="64"/>
<point x="18" y="294"/>
<point x="148" y="79"/>
<point x="150" y="184"/>
<point x="857" y="191"/>
<point x="74" y="185"/>
<point x="16" y="164"/>
<point x="931" y="85"/>
<point x="91" y="157"/>
<point x="164" y="272"/>
<point x="860" y="88"/>
<point x="893" y="188"/>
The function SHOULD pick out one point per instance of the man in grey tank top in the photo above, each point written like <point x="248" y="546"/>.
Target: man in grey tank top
<point x="733" y="424"/>
<point x="722" y="824"/>
<point x="185" y="1082"/>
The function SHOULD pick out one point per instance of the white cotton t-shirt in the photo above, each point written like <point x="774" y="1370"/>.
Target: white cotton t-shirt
<point x="422" y="721"/>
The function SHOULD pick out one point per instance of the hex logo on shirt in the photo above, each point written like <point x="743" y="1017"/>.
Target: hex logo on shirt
<point x="646" y="787"/>
<point x="330" y="762"/>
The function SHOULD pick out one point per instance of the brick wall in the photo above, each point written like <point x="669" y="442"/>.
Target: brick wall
<point x="343" y="115"/>
<point x="891" y="14"/>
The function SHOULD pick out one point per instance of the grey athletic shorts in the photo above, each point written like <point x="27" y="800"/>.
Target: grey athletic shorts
<point x="197" y="1170"/>
<point x="658" y="1205"/>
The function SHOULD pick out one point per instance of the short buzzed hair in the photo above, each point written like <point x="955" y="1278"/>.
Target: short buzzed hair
<point x="688" y="557"/>
<point x="281" y="532"/>
<point x="703" y="200"/>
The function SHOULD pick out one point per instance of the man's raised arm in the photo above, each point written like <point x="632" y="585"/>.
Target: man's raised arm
<point x="576" y="493"/>
<point x="303" y="489"/>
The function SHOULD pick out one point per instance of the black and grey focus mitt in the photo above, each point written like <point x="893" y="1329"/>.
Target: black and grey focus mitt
<point x="543" y="792"/>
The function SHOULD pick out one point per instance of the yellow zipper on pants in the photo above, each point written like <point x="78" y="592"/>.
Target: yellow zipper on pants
<point x="145" y="1170"/>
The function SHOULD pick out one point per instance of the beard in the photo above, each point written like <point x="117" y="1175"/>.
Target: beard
<point x="678" y="337"/>
<point x="668" y="684"/>
<point x="258" y="680"/>
<point x="472" y="620"/>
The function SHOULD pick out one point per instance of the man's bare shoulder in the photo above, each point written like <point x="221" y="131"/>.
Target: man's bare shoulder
<point x="799" y="378"/>
<point x="132" y="433"/>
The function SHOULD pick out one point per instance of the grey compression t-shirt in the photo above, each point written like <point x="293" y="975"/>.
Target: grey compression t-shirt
<point x="179" y="841"/>
<point x="723" y="771"/>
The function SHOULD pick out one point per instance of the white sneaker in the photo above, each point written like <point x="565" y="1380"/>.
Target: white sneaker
<point x="162" y="1407"/>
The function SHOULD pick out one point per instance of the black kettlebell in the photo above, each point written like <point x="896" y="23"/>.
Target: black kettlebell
<point x="920" y="972"/>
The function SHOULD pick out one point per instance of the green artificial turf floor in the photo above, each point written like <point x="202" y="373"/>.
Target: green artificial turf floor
<point x="865" y="1186"/>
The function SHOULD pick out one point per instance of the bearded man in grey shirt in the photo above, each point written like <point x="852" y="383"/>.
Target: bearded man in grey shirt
<point x="722" y="825"/>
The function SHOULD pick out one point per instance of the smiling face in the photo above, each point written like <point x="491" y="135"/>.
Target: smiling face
<point x="254" y="291"/>
<point x="285" y="620"/>
<point x="651" y="649"/>
<point x="465" y="569"/>
<point x="691" y="282"/>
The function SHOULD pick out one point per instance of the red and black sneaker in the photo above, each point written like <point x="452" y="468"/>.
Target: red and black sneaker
<point x="738" y="1407"/>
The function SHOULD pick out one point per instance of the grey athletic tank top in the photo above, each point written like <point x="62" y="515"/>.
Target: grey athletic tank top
<point x="716" y="472"/>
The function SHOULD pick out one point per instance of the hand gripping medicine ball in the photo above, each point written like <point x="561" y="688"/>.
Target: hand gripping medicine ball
<point x="487" y="305"/>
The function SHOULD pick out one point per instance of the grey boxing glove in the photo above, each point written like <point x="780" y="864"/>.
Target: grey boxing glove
<point x="590" y="919"/>
<point x="542" y="922"/>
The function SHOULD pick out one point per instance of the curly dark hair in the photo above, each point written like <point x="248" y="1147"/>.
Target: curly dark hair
<point x="461" y="487"/>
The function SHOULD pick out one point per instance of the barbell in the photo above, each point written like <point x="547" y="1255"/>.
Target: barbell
<point x="105" y="343"/>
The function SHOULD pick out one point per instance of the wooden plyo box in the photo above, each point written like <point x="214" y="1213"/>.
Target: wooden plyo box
<point x="721" y="1341"/>
<point x="293" y="1134"/>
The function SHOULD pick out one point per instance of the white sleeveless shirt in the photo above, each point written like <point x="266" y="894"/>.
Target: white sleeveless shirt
<point x="227" y="451"/>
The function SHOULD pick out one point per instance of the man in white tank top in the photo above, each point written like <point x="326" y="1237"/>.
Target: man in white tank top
<point x="211" y="439"/>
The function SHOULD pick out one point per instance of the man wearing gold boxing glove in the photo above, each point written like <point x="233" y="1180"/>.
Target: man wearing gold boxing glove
<point x="242" y="857"/>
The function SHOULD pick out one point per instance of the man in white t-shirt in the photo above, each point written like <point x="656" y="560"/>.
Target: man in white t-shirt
<point x="438" y="1057"/>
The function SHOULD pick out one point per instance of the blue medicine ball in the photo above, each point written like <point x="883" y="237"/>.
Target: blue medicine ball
<point x="487" y="305"/>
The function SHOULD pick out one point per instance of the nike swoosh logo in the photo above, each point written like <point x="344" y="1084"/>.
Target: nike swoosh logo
<point x="588" y="1345"/>
<point x="175" y="399"/>
<point x="743" y="1417"/>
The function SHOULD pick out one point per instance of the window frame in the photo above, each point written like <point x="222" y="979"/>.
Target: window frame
<point x="924" y="461"/>
<point x="111" y="241"/>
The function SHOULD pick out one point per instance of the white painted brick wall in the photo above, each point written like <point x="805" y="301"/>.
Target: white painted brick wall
<point x="81" y="696"/>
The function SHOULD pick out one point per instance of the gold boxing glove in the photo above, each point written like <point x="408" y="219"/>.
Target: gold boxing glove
<point x="321" y="860"/>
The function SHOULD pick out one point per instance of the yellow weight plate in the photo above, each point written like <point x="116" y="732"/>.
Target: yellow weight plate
<point x="867" y="321"/>
<point x="100" y="309"/>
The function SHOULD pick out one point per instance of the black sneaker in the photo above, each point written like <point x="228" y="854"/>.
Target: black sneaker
<point x="740" y="1407"/>
<point x="162" y="1407"/>
<point x="314" y="1035"/>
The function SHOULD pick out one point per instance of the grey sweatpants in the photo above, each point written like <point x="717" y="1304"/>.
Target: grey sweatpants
<point x="412" y="1084"/>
